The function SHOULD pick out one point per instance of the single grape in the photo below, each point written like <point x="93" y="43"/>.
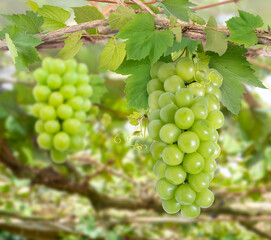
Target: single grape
<point x="184" y="118"/>
<point x="45" y="140"/>
<point x="82" y="79"/>
<point x="36" y="109"/>
<point x="54" y="81"/>
<point x="71" y="64"/>
<point x="215" y="77"/>
<point x="41" y="75"/>
<point x="154" y="115"/>
<point x="215" y="136"/>
<point x="87" y="105"/>
<point x="211" y="89"/>
<point x="190" y="211"/>
<point x="184" y="97"/>
<point x="71" y="126"/>
<point x="210" y="165"/>
<point x="77" y="102"/>
<point x="199" y="110"/>
<point x="64" y="111"/>
<point x="210" y="176"/>
<point x="206" y="149"/>
<point x="153" y="99"/>
<point x="70" y="78"/>
<point x="204" y="129"/>
<point x="154" y="129"/>
<point x="154" y="85"/>
<point x="172" y="155"/>
<point x="61" y="141"/>
<point x="84" y="90"/>
<point x="39" y="126"/>
<point x="205" y="198"/>
<point x="171" y="206"/>
<point x="201" y="100"/>
<point x="173" y="84"/>
<point x="57" y="156"/>
<point x="165" y="189"/>
<point x="193" y="163"/>
<point x="185" y="69"/>
<point x="199" y="182"/>
<point x="77" y="143"/>
<point x="167" y="113"/>
<point x="185" y="195"/>
<point x="41" y="93"/>
<point x="216" y="118"/>
<point x="80" y="115"/>
<point x="52" y="126"/>
<point x="175" y="174"/>
<point x="169" y="133"/>
<point x="55" y="99"/>
<point x="213" y="103"/>
<point x="197" y="89"/>
<point x="46" y="64"/>
<point x="47" y="113"/>
<point x="68" y="91"/>
<point x="58" y="66"/>
<point x="165" y="71"/>
<point x="188" y="142"/>
<point x="154" y="69"/>
<point x="217" y="151"/>
<point x="159" y="168"/>
<point x="82" y="68"/>
<point x="156" y="149"/>
<point x="165" y="99"/>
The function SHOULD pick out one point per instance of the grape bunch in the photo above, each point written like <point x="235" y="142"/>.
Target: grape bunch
<point x="62" y="96"/>
<point x="184" y="100"/>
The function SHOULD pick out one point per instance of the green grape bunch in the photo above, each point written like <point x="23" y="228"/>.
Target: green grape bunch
<point x="62" y="94"/>
<point x="184" y="100"/>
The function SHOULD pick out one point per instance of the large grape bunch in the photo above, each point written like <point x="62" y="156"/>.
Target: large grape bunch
<point x="184" y="101"/>
<point x="62" y="94"/>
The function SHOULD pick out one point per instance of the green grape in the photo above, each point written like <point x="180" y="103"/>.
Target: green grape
<point x="210" y="176"/>
<point x="77" y="143"/>
<point x="215" y="136"/>
<point x="57" y="156"/>
<point x="206" y="149"/>
<point x="68" y="91"/>
<point x="210" y="166"/>
<point x="188" y="142"/>
<point x="46" y="64"/>
<point x="84" y="90"/>
<point x="39" y="126"/>
<point x="154" y="115"/>
<point x="58" y="66"/>
<point x="171" y="206"/>
<point x="204" y="129"/>
<point x="199" y="182"/>
<point x="159" y="168"/>
<point x="156" y="149"/>
<point x="47" y="113"/>
<point x="87" y="105"/>
<point x="70" y="78"/>
<point x="154" y="85"/>
<point x="185" y="69"/>
<point x="165" y="71"/>
<point x="55" y="99"/>
<point x="184" y="118"/>
<point x="154" y="129"/>
<point x="213" y="104"/>
<point x="71" y="64"/>
<point x="217" y="151"/>
<point x="41" y="75"/>
<point x="54" y="81"/>
<point x="61" y="141"/>
<point x="41" y="93"/>
<point x="185" y="195"/>
<point x="64" y="111"/>
<point x="165" y="189"/>
<point x="167" y="113"/>
<point x="197" y="89"/>
<point x="190" y="211"/>
<point x="184" y="97"/>
<point x="52" y="126"/>
<point x="82" y="68"/>
<point x="169" y="133"/>
<point x="201" y="100"/>
<point x="80" y="115"/>
<point x="172" y="155"/>
<point x="83" y="79"/>
<point x="215" y="77"/>
<point x="45" y="140"/>
<point x="216" y="118"/>
<point x="153" y="99"/>
<point x="77" y="102"/>
<point x="165" y="99"/>
<point x="175" y="174"/>
<point x="193" y="163"/>
<point x="211" y="89"/>
<point x="199" y="110"/>
<point x="173" y="84"/>
<point x="154" y="69"/>
<point x="205" y="198"/>
<point x="71" y="126"/>
<point x="36" y="109"/>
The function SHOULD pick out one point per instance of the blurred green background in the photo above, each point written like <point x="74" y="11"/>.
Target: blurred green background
<point x="119" y="153"/>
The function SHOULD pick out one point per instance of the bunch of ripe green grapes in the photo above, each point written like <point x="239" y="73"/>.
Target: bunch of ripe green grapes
<point x="62" y="96"/>
<point x="184" y="101"/>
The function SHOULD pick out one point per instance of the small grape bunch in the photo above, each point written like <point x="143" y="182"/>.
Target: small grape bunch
<point x="184" y="102"/>
<point x="62" y="94"/>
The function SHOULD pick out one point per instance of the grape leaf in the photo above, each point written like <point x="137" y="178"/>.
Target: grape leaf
<point x="175" y="28"/>
<point x="143" y="39"/>
<point x="54" y="17"/>
<point x="178" y="8"/>
<point x="33" y="5"/>
<point x="99" y="88"/>
<point x="197" y="19"/>
<point x="72" y="46"/>
<point x="235" y="70"/>
<point x="112" y="55"/>
<point x="242" y="28"/>
<point x="215" y="40"/>
<point x="119" y="18"/>
<point x="87" y="14"/>
<point x="134" y="118"/>
<point x="136" y="83"/>
<point x="180" y="46"/>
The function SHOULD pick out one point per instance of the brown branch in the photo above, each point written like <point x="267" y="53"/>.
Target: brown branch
<point x="144" y="7"/>
<point x="251" y="227"/>
<point x="250" y="99"/>
<point x="259" y="64"/>
<point x="215" y="4"/>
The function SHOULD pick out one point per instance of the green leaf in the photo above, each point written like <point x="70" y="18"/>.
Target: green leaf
<point x="180" y="46"/>
<point x="136" y="84"/>
<point x="63" y="4"/>
<point x="235" y="69"/>
<point x="134" y="118"/>
<point x="72" y="46"/>
<point x="257" y="166"/>
<point x="197" y="19"/>
<point x="143" y="39"/>
<point x="33" y="5"/>
<point x="54" y="17"/>
<point x="119" y="18"/>
<point x="175" y="28"/>
<point x="215" y="40"/>
<point x="112" y="55"/>
<point x="99" y="88"/>
<point x="29" y="22"/>
<point x="87" y="14"/>
<point x="178" y="8"/>
<point x="242" y="28"/>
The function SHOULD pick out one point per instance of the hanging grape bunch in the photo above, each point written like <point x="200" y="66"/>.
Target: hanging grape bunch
<point x="184" y="115"/>
<point x="62" y="96"/>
